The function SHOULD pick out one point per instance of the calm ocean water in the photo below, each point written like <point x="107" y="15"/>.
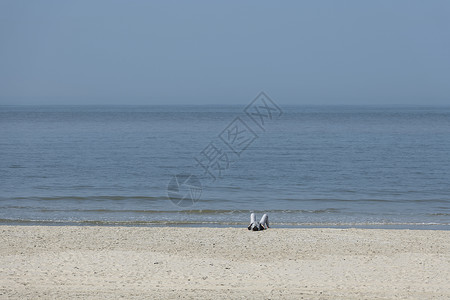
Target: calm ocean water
<point x="313" y="166"/>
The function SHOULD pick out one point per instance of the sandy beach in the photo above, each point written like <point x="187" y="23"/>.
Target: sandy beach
<point x="68" y="262"/>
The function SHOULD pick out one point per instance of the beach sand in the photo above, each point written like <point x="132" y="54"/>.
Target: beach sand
<point x="70" y="262"/>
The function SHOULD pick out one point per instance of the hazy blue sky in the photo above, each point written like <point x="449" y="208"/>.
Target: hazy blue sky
<point x="210" y="52"/>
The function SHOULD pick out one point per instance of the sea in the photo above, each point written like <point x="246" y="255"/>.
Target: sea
<point x="212" y="165"/>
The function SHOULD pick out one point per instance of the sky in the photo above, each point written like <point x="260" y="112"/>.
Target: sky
<point x="224" y="52"/>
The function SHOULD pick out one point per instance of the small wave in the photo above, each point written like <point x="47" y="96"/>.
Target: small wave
<point x="90" y="198"/>
<point x="368" y="200"/>
<point x="16" y="167"/>
<point x="179" y="210"/>
<point x="117" y="223"/>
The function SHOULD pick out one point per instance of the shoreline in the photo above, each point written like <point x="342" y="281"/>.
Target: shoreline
<point x="176" y="224"/>
<point x="104" y="262"/>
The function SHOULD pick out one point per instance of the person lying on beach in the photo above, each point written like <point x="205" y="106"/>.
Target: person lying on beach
<point x="261" y="225"/>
